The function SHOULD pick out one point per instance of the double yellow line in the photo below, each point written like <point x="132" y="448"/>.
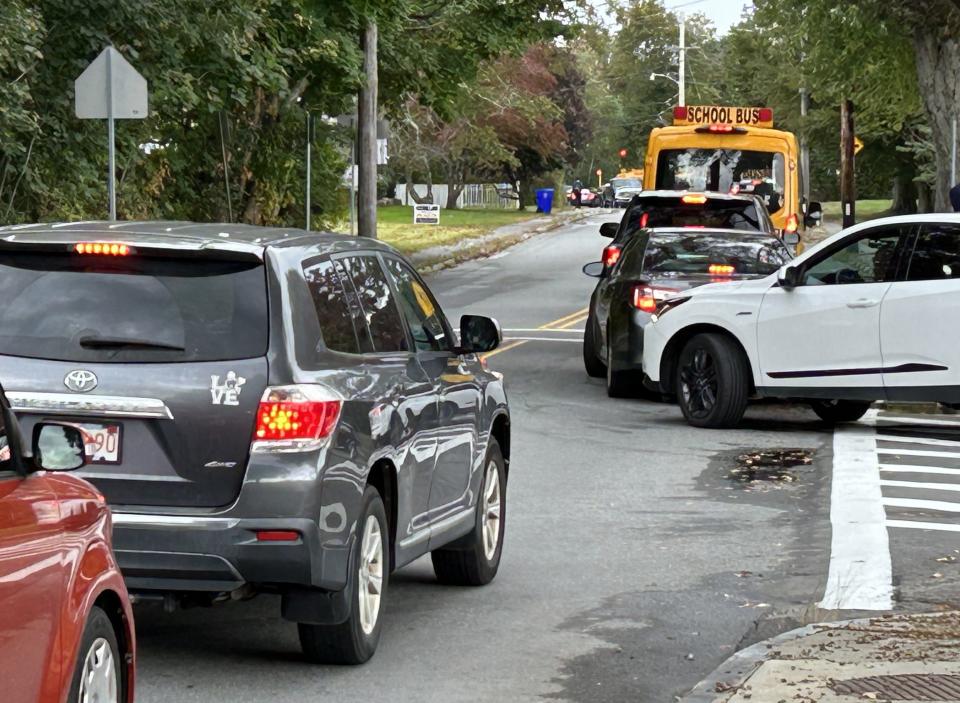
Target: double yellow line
<point x="563" y="323"/>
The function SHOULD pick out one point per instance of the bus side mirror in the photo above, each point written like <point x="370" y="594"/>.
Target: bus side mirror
<point x="813" y="215"/>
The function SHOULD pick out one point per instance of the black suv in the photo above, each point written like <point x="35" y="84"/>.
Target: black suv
<point x="266" y="410"/>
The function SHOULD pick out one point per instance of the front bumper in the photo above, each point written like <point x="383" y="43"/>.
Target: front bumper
<point x="221" y="554"/>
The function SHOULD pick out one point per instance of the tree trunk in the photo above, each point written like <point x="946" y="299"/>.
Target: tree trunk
<point x="938" y="73"/>
<point x="454" y="188"/>
<point x="924" y="198"/>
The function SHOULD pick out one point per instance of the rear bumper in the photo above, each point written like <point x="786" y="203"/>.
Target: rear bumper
<point x="220" y="554"/>
<point x="654" y="342"/>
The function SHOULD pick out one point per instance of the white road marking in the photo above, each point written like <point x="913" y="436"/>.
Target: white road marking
<point x="942" y="526"/>
<point x="915" y="469"/>
<point x="918" y="452"/>
<point x="919" y="440"/>
<point x="941" y="505"/>
<point x="922" y="484"/>
<point x="860" y="575"/>
<point x="544" y="339"/>
<point x="918" y="420"/>
<point x="541" y="329"/>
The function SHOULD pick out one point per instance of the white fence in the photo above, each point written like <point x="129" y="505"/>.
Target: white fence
<point x="485" y="195"/>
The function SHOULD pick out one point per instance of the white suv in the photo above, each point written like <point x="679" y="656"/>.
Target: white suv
<point x="871" y="313"/>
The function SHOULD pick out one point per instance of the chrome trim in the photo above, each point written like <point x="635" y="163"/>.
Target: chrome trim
<point x="148" y="520"/>
<point x="94" y="405"/>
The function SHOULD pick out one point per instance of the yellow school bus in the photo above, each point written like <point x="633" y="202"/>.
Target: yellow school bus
<point x="730" y="150"/>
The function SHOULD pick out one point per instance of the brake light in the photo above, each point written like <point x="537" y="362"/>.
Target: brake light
<point x="721" y="269"/>
<point x="721" y="128"/>
<point x="277" y="535"/>
<point x="793" y="223"/>
<point x="646" y="298"/>
<point x="694" y="199"/>
<point x="102" y="248"/>
<point x="295" y="418"/>
<point x="644" y="219"/>
<point x="611" y="255"/>
<point x="680" y="113"/>
<point x="766" y="114"/>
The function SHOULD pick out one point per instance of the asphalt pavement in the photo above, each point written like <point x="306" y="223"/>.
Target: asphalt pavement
<point x="640" y="552"/>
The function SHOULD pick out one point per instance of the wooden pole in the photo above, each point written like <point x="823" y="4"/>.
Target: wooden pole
<point x="367" y="129"/>
<point x="848" y="186"/>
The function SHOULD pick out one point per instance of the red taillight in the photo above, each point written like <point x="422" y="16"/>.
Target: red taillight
<point x="645" y="298"/>
<point x="644" y="219"/>
<point x="611" y="255"/>
<point x="277" y="535"/>
<point x="694" y="199"/>
<point x="291" y="418"/>
<point x="680" y="113"/>
<point x="721" y="269"/>
<point x="766" y="114"/>
<point x="102" y="248"/>
<point x="793" y="223"/>
<point x="721" y="128"/>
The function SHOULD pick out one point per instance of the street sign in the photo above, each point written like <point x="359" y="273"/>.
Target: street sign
<point x="857" y="145"/>
<point x="424" y="214"/>
<point x="110" y="89"/>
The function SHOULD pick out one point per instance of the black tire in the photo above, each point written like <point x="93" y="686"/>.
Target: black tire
<point x="591" y="359"/>
<point x="836" y="411"/>
<point x="712" y="381"/>
<point x="466" y="562"/>
<point x="348" y="643"/>
<point x="98" y="633"/>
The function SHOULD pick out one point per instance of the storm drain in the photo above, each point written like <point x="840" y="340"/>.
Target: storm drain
<point x="904" y="687"/>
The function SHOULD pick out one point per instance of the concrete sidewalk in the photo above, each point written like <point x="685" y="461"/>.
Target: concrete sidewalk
<point x="907" y="658"/>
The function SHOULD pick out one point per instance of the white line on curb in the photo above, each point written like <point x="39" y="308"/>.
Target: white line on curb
<point x="860" y="575"/>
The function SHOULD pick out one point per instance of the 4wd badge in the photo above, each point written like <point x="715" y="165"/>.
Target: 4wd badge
<point x="228" y="392"/>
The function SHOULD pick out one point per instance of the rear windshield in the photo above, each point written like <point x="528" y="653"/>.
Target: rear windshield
<point x="135" y="309"/>
<point x="697" y="253"/>
<point x="713" y="214"/>
<point x="724" y="171"/>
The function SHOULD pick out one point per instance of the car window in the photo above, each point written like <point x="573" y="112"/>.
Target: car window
<point x="684" y="254"/>
<point x="333" y="311"/>
<point x="421" y="311"/>
<point x="870" y="258"/>
<point x="936" y="255"/>
<point x="379" y="308"/>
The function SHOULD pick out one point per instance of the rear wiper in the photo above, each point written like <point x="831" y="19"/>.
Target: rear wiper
<point x="125" y="343"/>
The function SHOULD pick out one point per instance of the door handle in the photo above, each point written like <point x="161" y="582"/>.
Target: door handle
<point x="862" y="303"/>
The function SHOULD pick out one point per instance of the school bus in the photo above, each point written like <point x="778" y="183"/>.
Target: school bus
<point x="731" y="150"/>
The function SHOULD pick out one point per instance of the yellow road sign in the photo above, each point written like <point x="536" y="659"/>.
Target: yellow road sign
<point x="857" y="145"/>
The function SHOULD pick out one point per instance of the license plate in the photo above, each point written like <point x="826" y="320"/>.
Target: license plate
<point x="102" y="442"/>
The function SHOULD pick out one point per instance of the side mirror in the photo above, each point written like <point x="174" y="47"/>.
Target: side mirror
<point x="479" y="334"/>
<point x="58" y="447"/>
<point x="791" y="239"/>
<point x="594" y="269"/>
<point x="609" y="229"/>
<point x="789" y="277"/>
<point x="813" y="215"/>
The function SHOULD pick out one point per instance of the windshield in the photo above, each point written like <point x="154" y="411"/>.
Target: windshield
<point x="724" y="171"/>
<point x="626" y="183"/>
<point x="699" y="253"/>
<point x="136" y="309"/>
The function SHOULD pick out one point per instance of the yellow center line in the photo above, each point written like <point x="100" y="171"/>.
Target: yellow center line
<point x="565" y="319"/>
<point x="560" y="323"/>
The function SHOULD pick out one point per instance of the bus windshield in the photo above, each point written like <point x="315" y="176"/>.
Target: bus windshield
<point x="724" y="171"/>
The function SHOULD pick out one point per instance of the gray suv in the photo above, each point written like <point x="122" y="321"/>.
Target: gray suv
<point x="266" y="410"/>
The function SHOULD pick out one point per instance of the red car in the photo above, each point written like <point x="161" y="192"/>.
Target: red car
<point x="66" y="627"/>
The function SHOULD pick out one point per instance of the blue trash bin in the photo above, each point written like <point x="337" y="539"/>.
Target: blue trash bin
<point x="545" y="200"/>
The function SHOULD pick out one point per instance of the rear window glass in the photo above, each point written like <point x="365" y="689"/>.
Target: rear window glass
<point x="333" y="313"/>
<point x="713" y="214"/>
<point x="135" y="309"/>
<point x="691" y="254"/>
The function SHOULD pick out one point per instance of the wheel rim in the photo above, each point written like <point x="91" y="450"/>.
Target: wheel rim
<point x="371" y="574"/>
<point x="98" y="682"/>
<point x="699" y="385"/>
<point x="490" y="521"/>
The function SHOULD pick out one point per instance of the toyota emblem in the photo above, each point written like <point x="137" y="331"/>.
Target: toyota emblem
<point x="80" y="380"/>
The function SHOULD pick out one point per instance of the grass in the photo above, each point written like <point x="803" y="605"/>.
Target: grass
<point x="865" y="210"/>
<point x="395" y="226"/>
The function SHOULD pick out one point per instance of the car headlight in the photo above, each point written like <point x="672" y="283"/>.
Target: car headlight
<point x="665" y="306"/>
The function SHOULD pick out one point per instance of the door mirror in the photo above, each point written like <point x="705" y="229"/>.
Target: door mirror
<point x="791" y="239"/>
<point x="789" y="277"/>
<point x="479" y="334"/>
<point x="609" y="229"/>
<point x="58" y="447"/>
<point x="814" y="214"/>
<point x="594" y="269"/>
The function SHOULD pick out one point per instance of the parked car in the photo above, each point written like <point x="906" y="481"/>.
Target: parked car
<point x="673" y="209"/>
<point x="273" y="411"/>
<point x="588" y="198"/>
<point x="657" y="264"/>
<point x="619" y="191"/>
<point x="66" y="629"/>
<point x="858" y="318"/>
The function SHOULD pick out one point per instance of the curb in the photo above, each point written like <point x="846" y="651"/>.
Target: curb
<point x="488" y="244"/>
<point x="738" y="669"/>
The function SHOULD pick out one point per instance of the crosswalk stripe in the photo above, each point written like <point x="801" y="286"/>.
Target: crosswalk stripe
<point x="942" y="505"/>
<point x="910" y="524"/>
<point x="919" y="440"/>
<point x="902" y="419"/>
<point x="915" y="469"/>
<point x="917" y="452"/>
<point x="921" y="485"/>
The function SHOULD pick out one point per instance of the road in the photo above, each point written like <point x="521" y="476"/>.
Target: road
<point x="638" y="555"/>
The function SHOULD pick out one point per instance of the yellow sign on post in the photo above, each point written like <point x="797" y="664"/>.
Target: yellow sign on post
<point x="857" y="145"/>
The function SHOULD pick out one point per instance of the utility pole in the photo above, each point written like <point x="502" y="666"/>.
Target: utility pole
<point x="367" y="128"/>
<point x="309" y="144"/>
<point x="804" y="145"/>
<point x="848" y="186"/>
<point x="683" y="59"/>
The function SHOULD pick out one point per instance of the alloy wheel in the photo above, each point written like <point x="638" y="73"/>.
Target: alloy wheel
<point x="699" y="384"/>
<point x="371" y="574"/>
<point x="490" y="520"/>
<point x="98" y="682"/>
